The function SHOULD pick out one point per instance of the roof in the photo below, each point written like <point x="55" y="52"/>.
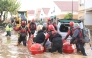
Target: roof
<point x="46" y="10"/>
<point x="67" y="5"/>
<point x="69" y="20"/>
<point x="31" y="11"/>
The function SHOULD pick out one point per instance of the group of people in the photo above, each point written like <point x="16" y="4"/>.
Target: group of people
<point x="49" y="37"/>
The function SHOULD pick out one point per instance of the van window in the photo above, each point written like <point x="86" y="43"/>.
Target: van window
<point x="64" y="27"/>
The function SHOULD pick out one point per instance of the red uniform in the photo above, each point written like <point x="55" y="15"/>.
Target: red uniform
<point x="55" y="38"/>
<point x="23" y="33"/>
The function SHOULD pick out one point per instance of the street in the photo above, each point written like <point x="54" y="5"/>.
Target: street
<point x="8" y="49"/>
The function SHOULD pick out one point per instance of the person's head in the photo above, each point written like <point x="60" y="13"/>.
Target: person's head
<point x="33" y="20"/>
<point x="39" y="27"/>
<point x="71" y="24"/>
<point x="44" y="29"/>
<point x="23" y="23"/>
<point x="51" y="28"/>
<point x="76" y="25"/>
<point x="49" y="19"/>
<point x="29" y="21"/>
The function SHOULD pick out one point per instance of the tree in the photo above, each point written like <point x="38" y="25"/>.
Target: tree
<point x="8" y="6"/>
<point x="15" y="6"/>
<point x="68" y="16"/>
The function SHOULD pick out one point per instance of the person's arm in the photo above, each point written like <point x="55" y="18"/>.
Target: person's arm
<point x="46" y="38"/>
<point x="67" y="35"/>
<point x="75" y="34"/>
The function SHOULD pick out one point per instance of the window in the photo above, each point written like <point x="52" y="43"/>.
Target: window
<point x="82" y="2"/>
<point x="64" y="27"/>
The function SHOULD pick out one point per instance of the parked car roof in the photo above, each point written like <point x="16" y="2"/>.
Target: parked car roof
<point x="69" y="20"/>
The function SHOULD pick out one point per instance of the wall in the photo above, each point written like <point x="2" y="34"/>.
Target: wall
<point x="88" y="4"/>
<point x="61" y="16"/>
<point x="88" y="18"/>
<point x="81" y="7"/>
<point x="81" y="15"/>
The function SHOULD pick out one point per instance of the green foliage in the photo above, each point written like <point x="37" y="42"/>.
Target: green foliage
<point x="9" y="5"/>
<point x="68" y="16"/>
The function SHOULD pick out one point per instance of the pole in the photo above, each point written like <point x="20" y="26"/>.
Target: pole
<point x="72" y="9"/>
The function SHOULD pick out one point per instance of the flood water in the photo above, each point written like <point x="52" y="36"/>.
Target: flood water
<point x="8" y="49"/>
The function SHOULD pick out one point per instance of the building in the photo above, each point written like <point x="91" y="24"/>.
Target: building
<point x="85" y="12"/>
<point x="59" y="9"/>
<point x="31" y="14"/>
<point x="67" y="7"/>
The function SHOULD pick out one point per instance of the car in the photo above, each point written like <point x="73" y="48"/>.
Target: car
<point x="63" y="27"/>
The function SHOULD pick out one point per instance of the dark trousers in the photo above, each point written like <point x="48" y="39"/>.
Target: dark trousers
<point x="56" y="45"/>
<point x="31" y="33"/>
<point x="22" y="39"/>
<point x="8" y="33"/>
<point x="80" y="47"/>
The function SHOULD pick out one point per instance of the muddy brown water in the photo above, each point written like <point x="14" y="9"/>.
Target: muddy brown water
<point x="8" y="49"/>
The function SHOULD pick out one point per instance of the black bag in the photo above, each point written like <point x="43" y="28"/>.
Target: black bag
<point x="85" y="38"/>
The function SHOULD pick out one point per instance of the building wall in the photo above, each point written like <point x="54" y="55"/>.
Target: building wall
<point x="81" y="5"/>
<point x="81" y="8"/>
<point x="88" y="4"/>
<point x="61" y="16"/>
<point x="88" y="18"/>
<point x="81" y="15"/>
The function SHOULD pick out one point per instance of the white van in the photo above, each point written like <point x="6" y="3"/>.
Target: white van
<point x="63" y="27"/>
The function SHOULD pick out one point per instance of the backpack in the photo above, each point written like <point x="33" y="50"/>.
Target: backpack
<point x="32" y="26"/>
<point x="85" y="37"/>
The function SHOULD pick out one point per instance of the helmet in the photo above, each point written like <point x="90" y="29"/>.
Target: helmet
<point x="51" y="27"/>
<point x="49" y="19"/>
<point x="23" y="23"/>
<point x="71" y="24"/>
<point x="33" y="20"/>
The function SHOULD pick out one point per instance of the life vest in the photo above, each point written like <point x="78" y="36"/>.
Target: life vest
<point x="8" y="28"/>
<point x="23" y="29"/>
<point x="32" y="26"/>
<point x="53" y="34"/>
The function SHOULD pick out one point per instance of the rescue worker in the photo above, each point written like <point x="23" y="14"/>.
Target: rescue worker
<point x="70" y="31"/>
<point x="49" y="22"/>
<point x="22" y="33"/>
<point x="8" y="29"/>
<point x="55" y="25"/>
<point x="76" y="38"/>
<point x="32" y="27"/>
<point x="55" y="39"/>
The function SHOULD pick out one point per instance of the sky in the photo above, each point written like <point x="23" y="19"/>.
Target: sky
<point x="34" y="4"/>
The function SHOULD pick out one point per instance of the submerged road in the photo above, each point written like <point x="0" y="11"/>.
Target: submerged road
<point x="8" y="49"/>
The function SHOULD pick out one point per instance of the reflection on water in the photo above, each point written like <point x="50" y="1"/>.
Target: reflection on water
<point x="9" y="50"/>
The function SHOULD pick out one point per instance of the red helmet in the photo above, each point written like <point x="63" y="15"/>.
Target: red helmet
<point x="23" y="23"/>
<point x="33" y="20"/>
<point x="51" y="27"/>
<point x="71" y="24"/>
<point x="49" y="19"/>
